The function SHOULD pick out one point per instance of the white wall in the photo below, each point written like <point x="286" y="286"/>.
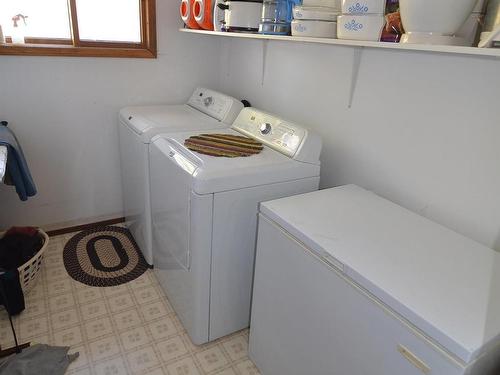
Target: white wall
<point x="64" y="111"/>
<point x="423" y="129"/>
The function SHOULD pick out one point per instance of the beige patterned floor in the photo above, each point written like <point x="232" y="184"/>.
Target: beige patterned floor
<point x="128" y="329"/>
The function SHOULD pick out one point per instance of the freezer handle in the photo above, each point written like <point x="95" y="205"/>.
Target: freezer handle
<point x="414" y="360"/>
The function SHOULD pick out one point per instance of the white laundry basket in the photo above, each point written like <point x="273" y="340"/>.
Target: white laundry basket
<point x="30" y="271"/>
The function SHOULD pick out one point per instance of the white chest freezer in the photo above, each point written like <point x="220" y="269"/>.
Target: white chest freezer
<point x="348" y="283"/>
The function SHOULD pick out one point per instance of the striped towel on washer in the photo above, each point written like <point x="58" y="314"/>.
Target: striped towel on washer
<point x="225" y="145"/>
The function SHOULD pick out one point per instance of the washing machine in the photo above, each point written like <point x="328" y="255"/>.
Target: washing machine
<point x="206" y="109"/>
<point x="204" y="215"/>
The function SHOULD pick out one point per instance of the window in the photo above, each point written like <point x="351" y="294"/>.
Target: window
<point x="114" y="28"/>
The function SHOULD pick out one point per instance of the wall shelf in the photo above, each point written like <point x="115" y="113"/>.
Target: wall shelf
<point x="472" y="51"/>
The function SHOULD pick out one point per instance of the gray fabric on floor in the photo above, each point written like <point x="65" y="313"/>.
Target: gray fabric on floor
<point x="39" y="359"/>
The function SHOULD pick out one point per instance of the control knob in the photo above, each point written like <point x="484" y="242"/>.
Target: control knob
<point x="208" y="101"/>
<point x="265" y="128"/>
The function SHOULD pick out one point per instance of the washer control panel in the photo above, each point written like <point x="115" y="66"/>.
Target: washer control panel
<point x="216" y="105"/>
<point x="272" y="131"/>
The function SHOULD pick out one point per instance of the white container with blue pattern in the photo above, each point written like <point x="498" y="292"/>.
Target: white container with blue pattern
<point x="314" y="28"/>
<point x="334" y="4"/>
<point x="360" y="27"/>
<point x="314" y="13"/>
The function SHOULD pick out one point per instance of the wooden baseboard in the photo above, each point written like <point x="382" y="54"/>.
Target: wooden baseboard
<point x="77" y="228"/>
<point x="6" y="352"/>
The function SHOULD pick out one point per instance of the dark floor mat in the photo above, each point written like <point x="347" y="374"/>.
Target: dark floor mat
<point x="104" y="256"/>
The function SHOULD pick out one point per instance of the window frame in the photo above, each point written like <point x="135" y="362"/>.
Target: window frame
<point x="82" y="48"/>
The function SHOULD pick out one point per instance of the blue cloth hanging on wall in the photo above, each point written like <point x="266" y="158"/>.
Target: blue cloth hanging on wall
<point x="17" y="167"/>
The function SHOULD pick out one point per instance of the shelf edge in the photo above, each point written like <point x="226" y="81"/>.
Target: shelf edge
<point x="471" y="51"/>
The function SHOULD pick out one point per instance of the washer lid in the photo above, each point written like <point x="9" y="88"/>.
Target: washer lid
<point x="213" y="174"/>
<point x="445" y="284"/>
<point x="205" y="109"/>
<point x="161" y="118"/>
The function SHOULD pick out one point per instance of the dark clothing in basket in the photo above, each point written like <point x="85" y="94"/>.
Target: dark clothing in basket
<point x="17" y="246"/>
<point x="11" y="293"/>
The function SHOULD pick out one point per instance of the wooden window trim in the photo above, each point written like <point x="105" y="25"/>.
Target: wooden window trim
<point x="82" y="48"/>
<point x="50" y="41"/>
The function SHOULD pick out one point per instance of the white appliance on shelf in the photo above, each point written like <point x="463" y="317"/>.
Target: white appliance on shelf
<point x="205" y="216"/>
<point x="206" y="109"/>
<point x="347" y="282"/>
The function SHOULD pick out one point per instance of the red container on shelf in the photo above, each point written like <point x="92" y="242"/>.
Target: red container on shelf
<point x="203" y="13"/>
<point x="187" y="14"/>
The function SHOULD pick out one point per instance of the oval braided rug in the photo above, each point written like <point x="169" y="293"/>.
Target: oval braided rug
<point x="104" y="256"/>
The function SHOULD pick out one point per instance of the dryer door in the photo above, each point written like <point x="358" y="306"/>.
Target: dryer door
<point x="171" y="178"/>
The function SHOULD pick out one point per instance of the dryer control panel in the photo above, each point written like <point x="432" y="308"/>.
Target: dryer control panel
<point x="283" y="136"/>
<point x="214" y="104"/>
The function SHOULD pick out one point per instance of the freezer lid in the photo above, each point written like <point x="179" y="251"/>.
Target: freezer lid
<point x="440" y="281"/>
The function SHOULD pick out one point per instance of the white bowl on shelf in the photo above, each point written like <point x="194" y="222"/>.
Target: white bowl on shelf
<point x="363" y="6"/>
<point x="314" y="13"/>
<point x="360" y="27"/>
<point x="314" y="28"/>
<point x="433" y="39"/>
<point x="435" y="18"/>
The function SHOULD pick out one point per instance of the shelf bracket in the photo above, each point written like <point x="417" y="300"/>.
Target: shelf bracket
<point x="227" y="45"/>
<point x="264" y="60"/>
<point x="356" y="64"/>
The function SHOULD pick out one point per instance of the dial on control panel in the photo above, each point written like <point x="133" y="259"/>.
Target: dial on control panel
<point x="265" y="128"/>
<point x="208" y="100"/>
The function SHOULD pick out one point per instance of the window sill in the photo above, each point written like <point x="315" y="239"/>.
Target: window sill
<point x="71" y="51"/>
